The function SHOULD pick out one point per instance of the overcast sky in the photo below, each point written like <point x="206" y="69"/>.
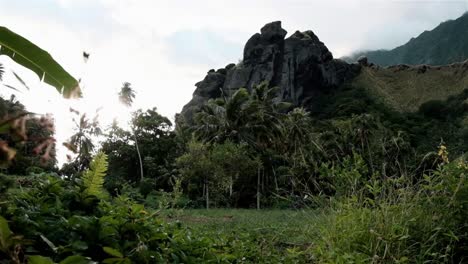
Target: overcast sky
<point x="163" y="47"/>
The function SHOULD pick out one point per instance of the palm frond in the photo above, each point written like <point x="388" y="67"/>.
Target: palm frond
<point x="20" y="80"/>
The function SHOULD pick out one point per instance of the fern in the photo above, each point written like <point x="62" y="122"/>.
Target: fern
<point x="93" y="178"/>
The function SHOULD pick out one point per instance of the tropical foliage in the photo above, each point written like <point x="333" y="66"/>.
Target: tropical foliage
<point x="368" y="184"/>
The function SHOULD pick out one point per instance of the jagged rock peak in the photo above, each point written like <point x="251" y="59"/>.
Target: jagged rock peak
<point x="301" y="65"/>
<point x="273" y="30"/>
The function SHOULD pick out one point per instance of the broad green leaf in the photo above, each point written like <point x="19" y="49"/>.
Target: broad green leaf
<point x="112" y="261"/>
<point x="159" y="236"/>
<point x="79" y="245"/>
<point x="39" y="260"/>
<point x="112" y="252"/>
<point x="117" y="261"/>
<point x="5" y="233"/>
<point x="76" y="260"/>
<point x="27" y="54"/>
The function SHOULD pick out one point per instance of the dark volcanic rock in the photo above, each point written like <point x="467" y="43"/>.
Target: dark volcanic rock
<point x="210" y="87"/>
<point x="301" y="65"/>
<point x="363" y="61"/>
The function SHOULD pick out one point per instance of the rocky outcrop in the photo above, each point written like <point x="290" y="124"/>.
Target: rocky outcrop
<point x="300" y="65"/>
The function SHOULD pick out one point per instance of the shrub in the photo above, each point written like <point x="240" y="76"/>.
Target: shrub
<point x="58" y="224"/>
<point x="34" y="170"/>
<point x="62" y="219"/>
<point x="146" y="186"/>
<point x="433" y="109"/>
<point x="6" y="182"/>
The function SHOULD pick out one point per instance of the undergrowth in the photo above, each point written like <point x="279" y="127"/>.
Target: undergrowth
<point x="384" y="220"/>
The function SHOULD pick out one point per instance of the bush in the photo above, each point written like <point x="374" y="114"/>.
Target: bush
<point x="57" y="221"/>
<point x="146" y="186"/>
<point x="433" y="109"/>
<point x="34" y="170"/>
<point x="6" y="182"/>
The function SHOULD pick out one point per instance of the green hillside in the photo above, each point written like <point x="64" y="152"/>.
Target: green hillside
<point x="445" y="44"/>
<point x="406" y="88"/>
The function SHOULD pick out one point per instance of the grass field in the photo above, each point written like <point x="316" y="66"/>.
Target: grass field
<point x="282" y="226"/>
<point x="258" y="235"/>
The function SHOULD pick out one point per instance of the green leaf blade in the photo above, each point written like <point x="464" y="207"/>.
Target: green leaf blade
<point x="76" y="260"/>
<point x="5" y="233"/>
<point x="28" y="55"/>
<point x="39" y="260"/>
<point x="112" y="252"/>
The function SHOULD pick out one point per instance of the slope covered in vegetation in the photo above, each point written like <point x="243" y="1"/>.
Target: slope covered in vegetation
<point x="445" y="44"/>
<point x="406" y="88"/>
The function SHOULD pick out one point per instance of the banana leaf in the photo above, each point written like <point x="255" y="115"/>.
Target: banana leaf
<point x="27" y="54"/>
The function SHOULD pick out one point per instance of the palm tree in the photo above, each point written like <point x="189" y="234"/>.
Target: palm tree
<point x="126" y="96"/>
<point x="255" y="119"/>
<point x="81" y="142"/>
<point x="265" y="124"/>
<point x="223" y="119"/>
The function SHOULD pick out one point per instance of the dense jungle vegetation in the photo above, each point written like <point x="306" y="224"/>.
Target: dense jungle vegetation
<point x="346" y="180"/>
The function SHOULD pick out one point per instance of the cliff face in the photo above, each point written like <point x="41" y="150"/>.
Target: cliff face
<point x="300" y="65"/>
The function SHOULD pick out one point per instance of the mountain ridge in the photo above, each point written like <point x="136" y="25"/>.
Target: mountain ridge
<point x="447" y="43"/>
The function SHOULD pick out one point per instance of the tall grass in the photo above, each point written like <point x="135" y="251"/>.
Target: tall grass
<point x="424" y="222"/>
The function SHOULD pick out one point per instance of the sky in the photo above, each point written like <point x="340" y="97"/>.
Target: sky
<point x="164" y="47"/>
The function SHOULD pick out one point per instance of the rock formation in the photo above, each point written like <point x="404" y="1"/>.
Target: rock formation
<point x="300" y="65"/>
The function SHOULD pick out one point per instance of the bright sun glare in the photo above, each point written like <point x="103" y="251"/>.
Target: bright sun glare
<point x="41" y="98"/>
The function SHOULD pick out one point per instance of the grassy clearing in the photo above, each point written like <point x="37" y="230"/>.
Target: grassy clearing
<point x="285" y="227"/>
<point x="263" y="236"/>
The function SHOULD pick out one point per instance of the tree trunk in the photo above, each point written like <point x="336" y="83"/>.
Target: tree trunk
<point x="275" y="178"/>
<point x="207" y="197"/>
<point x="139" y="155"/>
<point x="230" y="187"/>
<point x="263" y="181"/>
<point x="258" y="189"/>
<point x="204" y="188"/>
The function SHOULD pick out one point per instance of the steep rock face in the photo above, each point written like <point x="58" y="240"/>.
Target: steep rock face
<point x="300" y="65"/>
<point x="262" y="59"/>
